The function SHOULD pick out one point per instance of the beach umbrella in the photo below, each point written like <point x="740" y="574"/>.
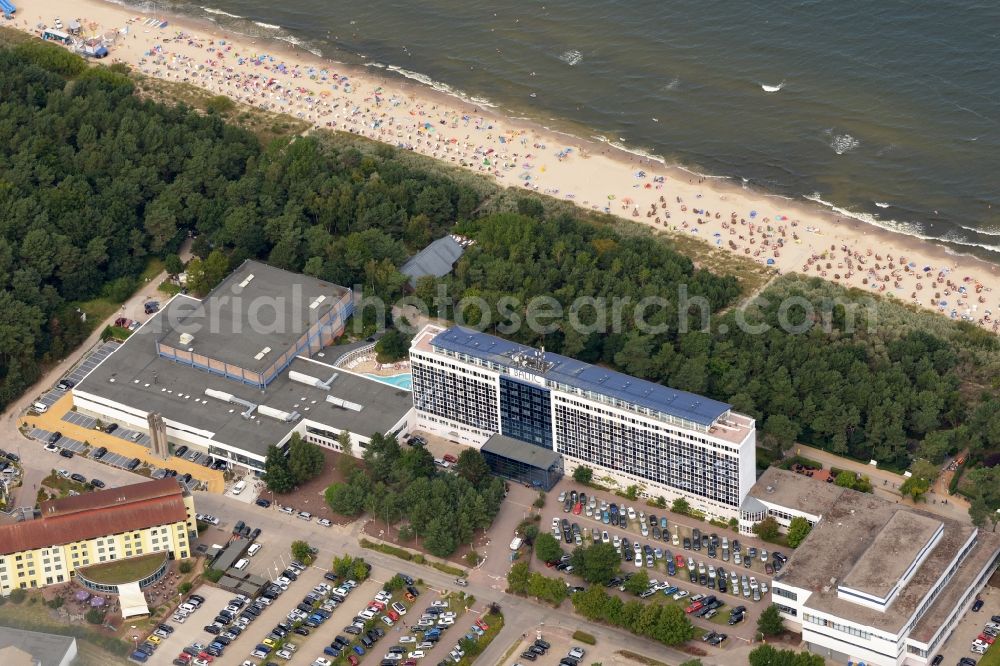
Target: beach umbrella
<point x="81" y="595"/>
<point x="927" y="269"/>
<point x="753" y="213"/>
<point x="97" y="602"/>
<point x="716" y="234"/>
<point x="770" y="262"/>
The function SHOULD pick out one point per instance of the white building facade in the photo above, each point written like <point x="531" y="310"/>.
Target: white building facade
<point x="468" y="386"/>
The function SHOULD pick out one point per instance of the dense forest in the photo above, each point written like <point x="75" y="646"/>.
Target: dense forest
<point x="865" y="378"/>
<point x="95" y="180"/>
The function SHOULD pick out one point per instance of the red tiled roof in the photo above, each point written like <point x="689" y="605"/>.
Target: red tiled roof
<point x="97" y="514"/>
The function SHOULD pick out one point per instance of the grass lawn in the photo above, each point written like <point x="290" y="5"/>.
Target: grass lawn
<point x="63" y="486"/>
<point x="98" y="309"/>
<point x="153" y="268"/>
<point x="124" y="571"/>
<point x="495" y="624"/>
<point x="992" y="656"/>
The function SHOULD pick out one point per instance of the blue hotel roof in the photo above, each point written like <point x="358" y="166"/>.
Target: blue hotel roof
<point x="584" y="376"/>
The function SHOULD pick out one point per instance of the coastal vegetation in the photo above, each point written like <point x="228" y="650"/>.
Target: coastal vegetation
<point x="97" y="180"/>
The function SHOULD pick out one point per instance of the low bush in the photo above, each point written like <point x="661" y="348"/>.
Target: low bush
<point x="584" y="637"/>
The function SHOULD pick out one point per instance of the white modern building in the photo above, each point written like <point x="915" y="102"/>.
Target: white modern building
<point x="875" y="581"/>
<point x="242" y="369"/>
<point x="468" y="386"/>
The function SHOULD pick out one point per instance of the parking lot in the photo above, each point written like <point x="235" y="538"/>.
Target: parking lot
<point x="89" y="362"/>
<point x="110" y="458"/>
<point x="970" y="626"/>
<point x="90" y="423"/>
<point x="683" y="526"/>
<point x="561" y="642"/>
<point x="193" y="628"/>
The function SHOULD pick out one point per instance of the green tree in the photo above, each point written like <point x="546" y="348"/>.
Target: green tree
<point x="185" y="566"/>
<point x="583" y="474"/>
<point x="346" y="463"/>
<point x="638" y="583"/>
<point x="691" y="662"/>
<point x="393" y="346"/>
<point x="922" y="476"/>
<point x="768" y="655"/>
<point x="347" y="566"/>
<point x="348" y="498"/>
<point x="94" y="616"/>
<point x="518" y="577"/>
<point x="673" y="626"/>
<point x="798" y="530"/>
<point x="173" y="264"/>
<point x="597" y="563"/>
<point x="472" y="466"/>
<point x="547" y="549"/>
<point x="767" y="529"/>
<point x="680" y="505"/>
<point x="845" y="479"/>
<point x="770" y="622"/>
<point x="302" y="551"/>
<point x="780" y="432"/>
<point x="395" y="583"/>
<point x="305" y="459"/>
<point x="277" y="475"/>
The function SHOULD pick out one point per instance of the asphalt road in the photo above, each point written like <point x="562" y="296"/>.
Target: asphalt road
<point x="36" y="462"/>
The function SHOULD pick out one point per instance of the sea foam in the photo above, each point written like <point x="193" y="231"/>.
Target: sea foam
<point x="219" y="12"/>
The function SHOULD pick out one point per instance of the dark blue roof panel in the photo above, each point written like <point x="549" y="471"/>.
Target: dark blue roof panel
<point x="584" y="376"/>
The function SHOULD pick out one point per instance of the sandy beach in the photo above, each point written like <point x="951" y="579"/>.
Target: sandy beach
<point x="786" y="235"/>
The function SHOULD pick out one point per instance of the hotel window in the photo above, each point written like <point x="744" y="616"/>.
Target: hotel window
<point x="785" y="593"/>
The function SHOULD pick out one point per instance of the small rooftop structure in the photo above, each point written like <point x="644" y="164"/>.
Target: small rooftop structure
<point x="783" y="488"/>
<point x="437" y="259"/>
<point x="522" y="452"/>
<point x="251" y="320"/>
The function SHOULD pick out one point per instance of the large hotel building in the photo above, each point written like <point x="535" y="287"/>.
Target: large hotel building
<point x="469" y="387"/>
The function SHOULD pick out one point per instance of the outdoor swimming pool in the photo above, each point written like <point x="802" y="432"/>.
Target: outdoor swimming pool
<point x="403" y="381"/>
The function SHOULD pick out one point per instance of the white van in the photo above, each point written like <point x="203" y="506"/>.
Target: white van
<point x="252" y="550"/>
<point x="39" y="407"/>
<point x="242" y="564"/>
<point x="516" y="543"/>
<point x="238" y="488"/>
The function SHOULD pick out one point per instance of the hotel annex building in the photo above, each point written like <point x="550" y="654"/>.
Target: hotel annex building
<point x="96" y="528"/>
<point x="468" y="386"/>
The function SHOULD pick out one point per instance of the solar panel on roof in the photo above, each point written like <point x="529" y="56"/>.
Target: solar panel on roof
<point x="583" y="376"/>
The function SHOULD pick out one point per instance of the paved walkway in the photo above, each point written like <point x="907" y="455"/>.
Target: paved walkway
<point x="886" y="484"/>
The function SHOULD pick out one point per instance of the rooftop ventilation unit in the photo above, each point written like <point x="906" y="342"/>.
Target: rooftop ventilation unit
<point x="186" y="339"/>
<point x="264" y="410"/>
<point x="232" y="399"/>
<point x="262" y="353"/>
<point x="246" y="281"/>
<point x="309" y="380"/>
<point x="316" y="303"/>
<point x="346" y="404"/>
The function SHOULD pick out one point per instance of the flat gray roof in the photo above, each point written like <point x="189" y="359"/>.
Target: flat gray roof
<point x="145" y="381"/>
<point x="796" y="491"/>
<point x="436" y="259"/>
<point x="522" y="452"/>
<point x="234" y="323"/>
<point x="847" y="533"/>
<point x="48" y="649"/>
<point x="894" y="549"/>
